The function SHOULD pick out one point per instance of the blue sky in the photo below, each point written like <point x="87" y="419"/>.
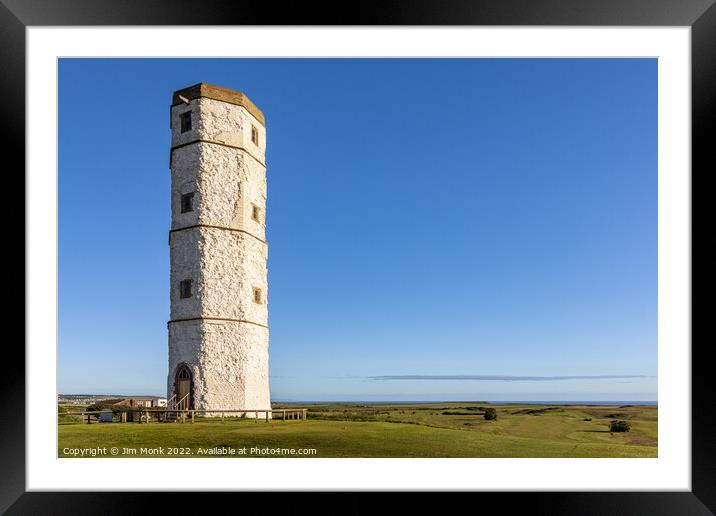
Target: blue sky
<point x="439" y="229"/>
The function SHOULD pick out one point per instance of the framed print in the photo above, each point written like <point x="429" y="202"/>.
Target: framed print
<point x="479" y="278"/>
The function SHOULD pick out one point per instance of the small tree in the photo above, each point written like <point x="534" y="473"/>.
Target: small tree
<point x="619" y="426"/>
<point x="490" y="414"/>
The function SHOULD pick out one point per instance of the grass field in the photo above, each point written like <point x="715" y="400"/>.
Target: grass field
<point x="382" y="430"/>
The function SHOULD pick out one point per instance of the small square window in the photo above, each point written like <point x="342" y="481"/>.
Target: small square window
<point x="254" y="135"/>
<point x="256" y="213"/>
<point x="187" y="202"/>
<point x="185" y="121"/>
<point x="257" y="296"/>
<point x="185" y="288"/>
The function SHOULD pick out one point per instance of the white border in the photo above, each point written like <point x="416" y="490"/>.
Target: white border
<point x="671" y="471"/>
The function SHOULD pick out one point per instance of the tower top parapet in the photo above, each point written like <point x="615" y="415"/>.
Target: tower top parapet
<point x="210" y="91"/>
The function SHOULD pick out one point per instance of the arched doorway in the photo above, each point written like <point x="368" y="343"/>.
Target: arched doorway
<point x="183" y="388"/>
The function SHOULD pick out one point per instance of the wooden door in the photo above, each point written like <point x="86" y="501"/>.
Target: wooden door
<point x="183" y="387"/>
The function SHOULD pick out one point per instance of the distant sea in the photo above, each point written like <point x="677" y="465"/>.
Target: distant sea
<point x="393" y="402"/>
<point x="495" y="402"/>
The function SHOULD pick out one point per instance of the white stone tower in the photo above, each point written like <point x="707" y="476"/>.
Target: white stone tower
<point x="218" y="332"/>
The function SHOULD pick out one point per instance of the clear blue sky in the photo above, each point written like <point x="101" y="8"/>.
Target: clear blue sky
<point x="448" y="217"/>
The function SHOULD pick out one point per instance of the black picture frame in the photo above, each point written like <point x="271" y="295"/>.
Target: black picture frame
<point x="700" y="15"/>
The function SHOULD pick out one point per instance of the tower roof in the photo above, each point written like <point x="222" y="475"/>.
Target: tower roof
<point x="210" y="91"/>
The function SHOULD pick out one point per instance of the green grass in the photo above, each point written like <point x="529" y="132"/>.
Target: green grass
<point x="410" y="430"/>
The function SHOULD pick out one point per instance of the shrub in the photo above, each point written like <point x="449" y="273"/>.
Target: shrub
<point x="490" y="414"/>
<point x="116" y="409"/>
<point x="619" y="426"/>
<point x="103" y="406"/>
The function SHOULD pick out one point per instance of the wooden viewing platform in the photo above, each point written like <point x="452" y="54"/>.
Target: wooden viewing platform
<point x="173" y="415"/>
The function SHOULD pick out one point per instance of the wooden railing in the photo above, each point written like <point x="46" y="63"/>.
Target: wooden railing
<point x="184" y="414"/>
<point x="183" y="404"/>
<point x="285" y="414"/>
<point x="88" y="414"/>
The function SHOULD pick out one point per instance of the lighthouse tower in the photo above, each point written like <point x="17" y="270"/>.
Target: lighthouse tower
<point x="218" y="332"/>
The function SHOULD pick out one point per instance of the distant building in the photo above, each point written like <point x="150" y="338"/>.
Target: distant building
<point x="132" y="401"/>
<point x="137" y="401"/>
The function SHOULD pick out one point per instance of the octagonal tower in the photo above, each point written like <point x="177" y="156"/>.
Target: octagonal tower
<point x="218" y="332"/>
